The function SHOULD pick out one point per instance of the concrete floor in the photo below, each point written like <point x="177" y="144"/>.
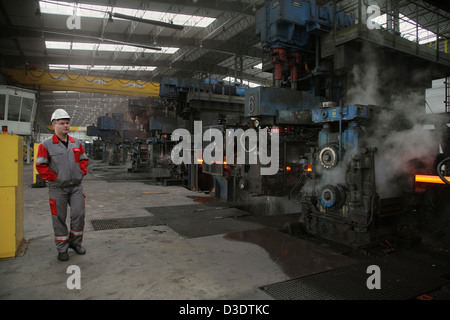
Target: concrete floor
<point x="153" y="262"/>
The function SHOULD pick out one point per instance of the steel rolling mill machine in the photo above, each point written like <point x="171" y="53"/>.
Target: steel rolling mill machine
<point x="211" y="101"/>
<point x="150" y="146"/>
<point x="111" y="145"/>
<point x="329" y="146"/>
<point x="140" y="111"/>
<point x="180" y="103"/>
<point x="141" y="137"/>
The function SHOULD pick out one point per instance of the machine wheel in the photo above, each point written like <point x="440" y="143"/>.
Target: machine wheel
<point x="328" y="156"/>
<point x="332" y="197"/>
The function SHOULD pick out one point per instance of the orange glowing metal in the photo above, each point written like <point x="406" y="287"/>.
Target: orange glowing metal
<point x="429" y="179"/>
<point x="309" y="168"/>
<point x="219" y="162"/>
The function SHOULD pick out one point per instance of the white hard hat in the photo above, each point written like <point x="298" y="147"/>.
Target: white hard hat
<point x="60" y="114"/>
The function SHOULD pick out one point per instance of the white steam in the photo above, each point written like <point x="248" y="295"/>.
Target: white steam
<point x="397" y="129"/>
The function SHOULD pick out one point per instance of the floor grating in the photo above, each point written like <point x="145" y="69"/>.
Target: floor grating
<point x="131" y="222"/>
<point x="350" y="283"/>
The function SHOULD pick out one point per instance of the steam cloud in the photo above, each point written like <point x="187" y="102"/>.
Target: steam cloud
<point x="397" y="128"/>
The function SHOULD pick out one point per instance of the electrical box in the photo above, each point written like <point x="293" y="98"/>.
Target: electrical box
<point x="11" y="195"/>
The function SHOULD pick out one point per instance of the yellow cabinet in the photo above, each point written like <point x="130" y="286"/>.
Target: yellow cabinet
<point x="11" y="195"/>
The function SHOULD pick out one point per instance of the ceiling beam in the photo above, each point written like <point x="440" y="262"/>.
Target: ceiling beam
<point x="243" y="7"/>
<point x="191" y="66"/>
<point x="11" y="32"/>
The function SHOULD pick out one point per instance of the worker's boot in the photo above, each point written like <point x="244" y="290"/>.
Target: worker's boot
<point x="63" y="256"/>
<point x="78" y="249"/>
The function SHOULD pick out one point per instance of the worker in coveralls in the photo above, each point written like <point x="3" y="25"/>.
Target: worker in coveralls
<point x="62" y="162"/>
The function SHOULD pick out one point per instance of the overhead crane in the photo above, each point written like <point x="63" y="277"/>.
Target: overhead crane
<point x="44" y="80"/>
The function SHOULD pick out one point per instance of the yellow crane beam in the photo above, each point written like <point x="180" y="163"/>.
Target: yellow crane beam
<point x="35" y="79"/>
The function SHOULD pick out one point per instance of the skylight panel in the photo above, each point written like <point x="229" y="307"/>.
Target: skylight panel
<point x="407" y="28"/>
<point x="67" y="45"/>
<point x="408" y="31"/>
<point x="57" y="45"/>
<point x="83" y="46"/>
<point x="68" y="9"/>
<point x="98" y="11"/>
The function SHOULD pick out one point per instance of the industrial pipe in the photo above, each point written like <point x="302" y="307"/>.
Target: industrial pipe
<point x="438" y="169"/>
<point x="279" y="58"/>
<point x="294" y="63"/>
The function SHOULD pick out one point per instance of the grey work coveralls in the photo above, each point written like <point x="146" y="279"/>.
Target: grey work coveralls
<point x="64" y="169"/>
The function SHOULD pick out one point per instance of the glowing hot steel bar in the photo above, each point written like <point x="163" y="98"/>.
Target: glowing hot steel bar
<point x="430" y="179"/>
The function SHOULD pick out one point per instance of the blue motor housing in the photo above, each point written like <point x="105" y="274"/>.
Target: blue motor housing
<point x="172" y="87"/>
<point x="352" y="112"/>
<point x="267" y="101"/>
<point x="287" y="23"/>
<point x="346" y="140"/>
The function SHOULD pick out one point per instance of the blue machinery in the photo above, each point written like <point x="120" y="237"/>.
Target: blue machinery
<point x="291" y="28"/>
<point x="327" y="164"/>
<point x="290" y="24"/>
<point x="326" y="160"/>
<point x="339" y="193"/>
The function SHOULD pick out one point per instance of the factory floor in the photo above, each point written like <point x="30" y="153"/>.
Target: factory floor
<point x="184" y="247"/>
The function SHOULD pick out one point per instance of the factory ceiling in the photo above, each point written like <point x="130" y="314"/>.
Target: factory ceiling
<point x="113" y="40"/>
<point x="136" y="40"/>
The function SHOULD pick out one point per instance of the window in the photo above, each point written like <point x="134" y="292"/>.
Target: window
<point x="2" y="106"/>
<point x="14" y="108"/>
<point x="27" y="107"/>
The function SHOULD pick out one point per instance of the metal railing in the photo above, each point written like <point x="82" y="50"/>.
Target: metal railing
<point x="413" y="20"/>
